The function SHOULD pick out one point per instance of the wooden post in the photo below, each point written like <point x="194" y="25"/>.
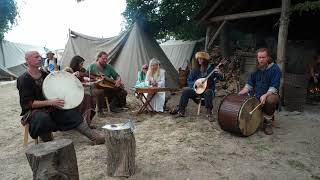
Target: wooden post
<point x="225" y="41"/>
<point x="207" y="38"/>
<point x="216" y="34"/>
<point x="53" y="160"/>
<point x="121" y="146"/>
<point x="282" y="40"/>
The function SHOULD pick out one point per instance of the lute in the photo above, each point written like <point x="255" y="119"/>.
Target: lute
<point x="200" y="85"/>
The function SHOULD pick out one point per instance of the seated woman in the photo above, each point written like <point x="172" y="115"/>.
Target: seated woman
<point x="88" y="105"/>
<point x="155" y="77"/>
<point x="142" y="76"/>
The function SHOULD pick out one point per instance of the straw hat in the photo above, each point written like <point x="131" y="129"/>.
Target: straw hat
<point x="202" y="55"/>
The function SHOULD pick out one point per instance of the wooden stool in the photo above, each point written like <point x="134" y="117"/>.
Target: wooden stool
<point x="26" y="136"/>
<point x="107" y="102"/>
<point x="199" y="105"/>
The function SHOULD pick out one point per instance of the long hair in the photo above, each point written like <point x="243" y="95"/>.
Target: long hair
<point x="196" y="65"/>
<point x="75" y="63"/>
<point x="153" y="75"/>
<point x="100" y="54"/>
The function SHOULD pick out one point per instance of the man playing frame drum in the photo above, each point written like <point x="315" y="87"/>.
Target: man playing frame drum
<point x="45" y="116"/>
<point x="264" y="84"/>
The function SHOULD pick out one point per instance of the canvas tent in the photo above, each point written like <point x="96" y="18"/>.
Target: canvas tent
<point x="12" y="60"/>
<point x="179" y="52"/>
<point x="127" y="53"/>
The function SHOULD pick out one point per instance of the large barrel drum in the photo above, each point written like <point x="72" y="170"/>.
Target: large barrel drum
<point x="234" y="116"/>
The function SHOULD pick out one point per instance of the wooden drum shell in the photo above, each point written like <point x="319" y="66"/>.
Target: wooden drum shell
<point x="234" y="117"/>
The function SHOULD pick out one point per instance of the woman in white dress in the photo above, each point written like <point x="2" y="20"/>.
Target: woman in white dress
<point x="156" y="78"/>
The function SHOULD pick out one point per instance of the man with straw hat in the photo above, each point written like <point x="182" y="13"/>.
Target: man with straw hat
<point x="201" y="70"/>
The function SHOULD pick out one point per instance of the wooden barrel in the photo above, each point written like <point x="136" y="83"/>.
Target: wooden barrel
<point x="234" y="117"/>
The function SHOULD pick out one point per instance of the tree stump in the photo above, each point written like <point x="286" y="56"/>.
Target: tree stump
<point x="53" y="160"/>
<point x="121" y="146"/>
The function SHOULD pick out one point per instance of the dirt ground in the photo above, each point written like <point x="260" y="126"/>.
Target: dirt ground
<point x="182" y="148"/>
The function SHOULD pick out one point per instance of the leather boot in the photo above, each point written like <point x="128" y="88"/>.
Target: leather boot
<point x="267" y="127"/>
<point x="181" y="112"/>
<point x="175" y="110"/>
<point x="46" y="137"/>
<point x="209" y="114"/>
<point x="95" y="137"/>
<point x="114" y="107"/>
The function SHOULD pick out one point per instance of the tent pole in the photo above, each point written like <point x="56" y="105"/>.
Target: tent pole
<point x="1" y="49"/>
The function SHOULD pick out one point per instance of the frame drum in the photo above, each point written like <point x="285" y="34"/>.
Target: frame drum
<point x="63" y="85"/>
<point x="233" y="114"/>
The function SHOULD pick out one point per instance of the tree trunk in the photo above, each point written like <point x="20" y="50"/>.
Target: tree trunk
<point x="121" y="146"/>
<point x="53" y="160"/>
<point x="282" y="40"/>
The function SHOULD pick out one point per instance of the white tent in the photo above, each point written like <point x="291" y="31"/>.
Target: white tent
<point x="179" y="52"/>
<point x="127" y="53"/>
<point x="12" y="58"/>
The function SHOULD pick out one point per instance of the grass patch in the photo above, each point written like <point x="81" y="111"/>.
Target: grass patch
<point x="304" y="142"/>
<point x="315" y="177"/>
<point x="259" y="145"/>
<point x="263" y="147"/>
<point x="223" y="178"/>
<point x="185" y="119"/>
<point x="297" y="165"/>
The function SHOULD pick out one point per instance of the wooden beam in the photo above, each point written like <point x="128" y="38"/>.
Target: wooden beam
<point x="216" y="34"/>
<point x="207" y="38"/>
<point x="214" y="7"/>
<point x="245" y="15"/>
<point x="282" y="40"/>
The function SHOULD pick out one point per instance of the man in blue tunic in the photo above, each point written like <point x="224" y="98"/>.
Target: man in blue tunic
<point x="202" y="70"/>
<point x="264" y="84"/>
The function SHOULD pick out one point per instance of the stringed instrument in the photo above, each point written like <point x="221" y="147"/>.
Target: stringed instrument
<point x="200" y="85"/>
<point x="108" y="83"/>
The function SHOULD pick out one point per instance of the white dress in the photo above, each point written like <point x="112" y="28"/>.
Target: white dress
<point x="158" y="100"/>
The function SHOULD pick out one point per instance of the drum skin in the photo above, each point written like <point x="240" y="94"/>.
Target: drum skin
<point x="234" y="117"/>
<point x="63" y="85"/>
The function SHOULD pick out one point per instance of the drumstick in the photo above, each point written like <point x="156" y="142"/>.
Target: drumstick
<point x="255" y="109"/>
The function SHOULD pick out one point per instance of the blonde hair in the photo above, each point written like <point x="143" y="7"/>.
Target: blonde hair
<point x="153" y="75"/>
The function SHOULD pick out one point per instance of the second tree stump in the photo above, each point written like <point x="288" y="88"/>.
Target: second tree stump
<point x="121" y="146"/>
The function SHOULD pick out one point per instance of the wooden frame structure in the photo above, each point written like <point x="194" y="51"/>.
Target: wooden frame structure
<point x="282" y="35"/>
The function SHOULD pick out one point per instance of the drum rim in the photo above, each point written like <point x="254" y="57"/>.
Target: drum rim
<point x="244" y="102"/>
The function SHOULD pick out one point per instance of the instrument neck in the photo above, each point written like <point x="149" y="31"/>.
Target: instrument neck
<point x="223" y="62"/>
<point x="55" y="62"/>
<point x="206" y="78"/>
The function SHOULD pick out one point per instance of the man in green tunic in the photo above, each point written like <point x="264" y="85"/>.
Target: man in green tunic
<point x="117" y="95"/>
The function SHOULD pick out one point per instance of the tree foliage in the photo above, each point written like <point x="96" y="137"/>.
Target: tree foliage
<point x="8" y="14"/>
<point x="166" y="18"/>
<point x="307" y="6"/>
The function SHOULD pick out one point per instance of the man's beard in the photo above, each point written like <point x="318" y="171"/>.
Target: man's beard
<point x="262" y="66"/>
<point x="102" y="65"/>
